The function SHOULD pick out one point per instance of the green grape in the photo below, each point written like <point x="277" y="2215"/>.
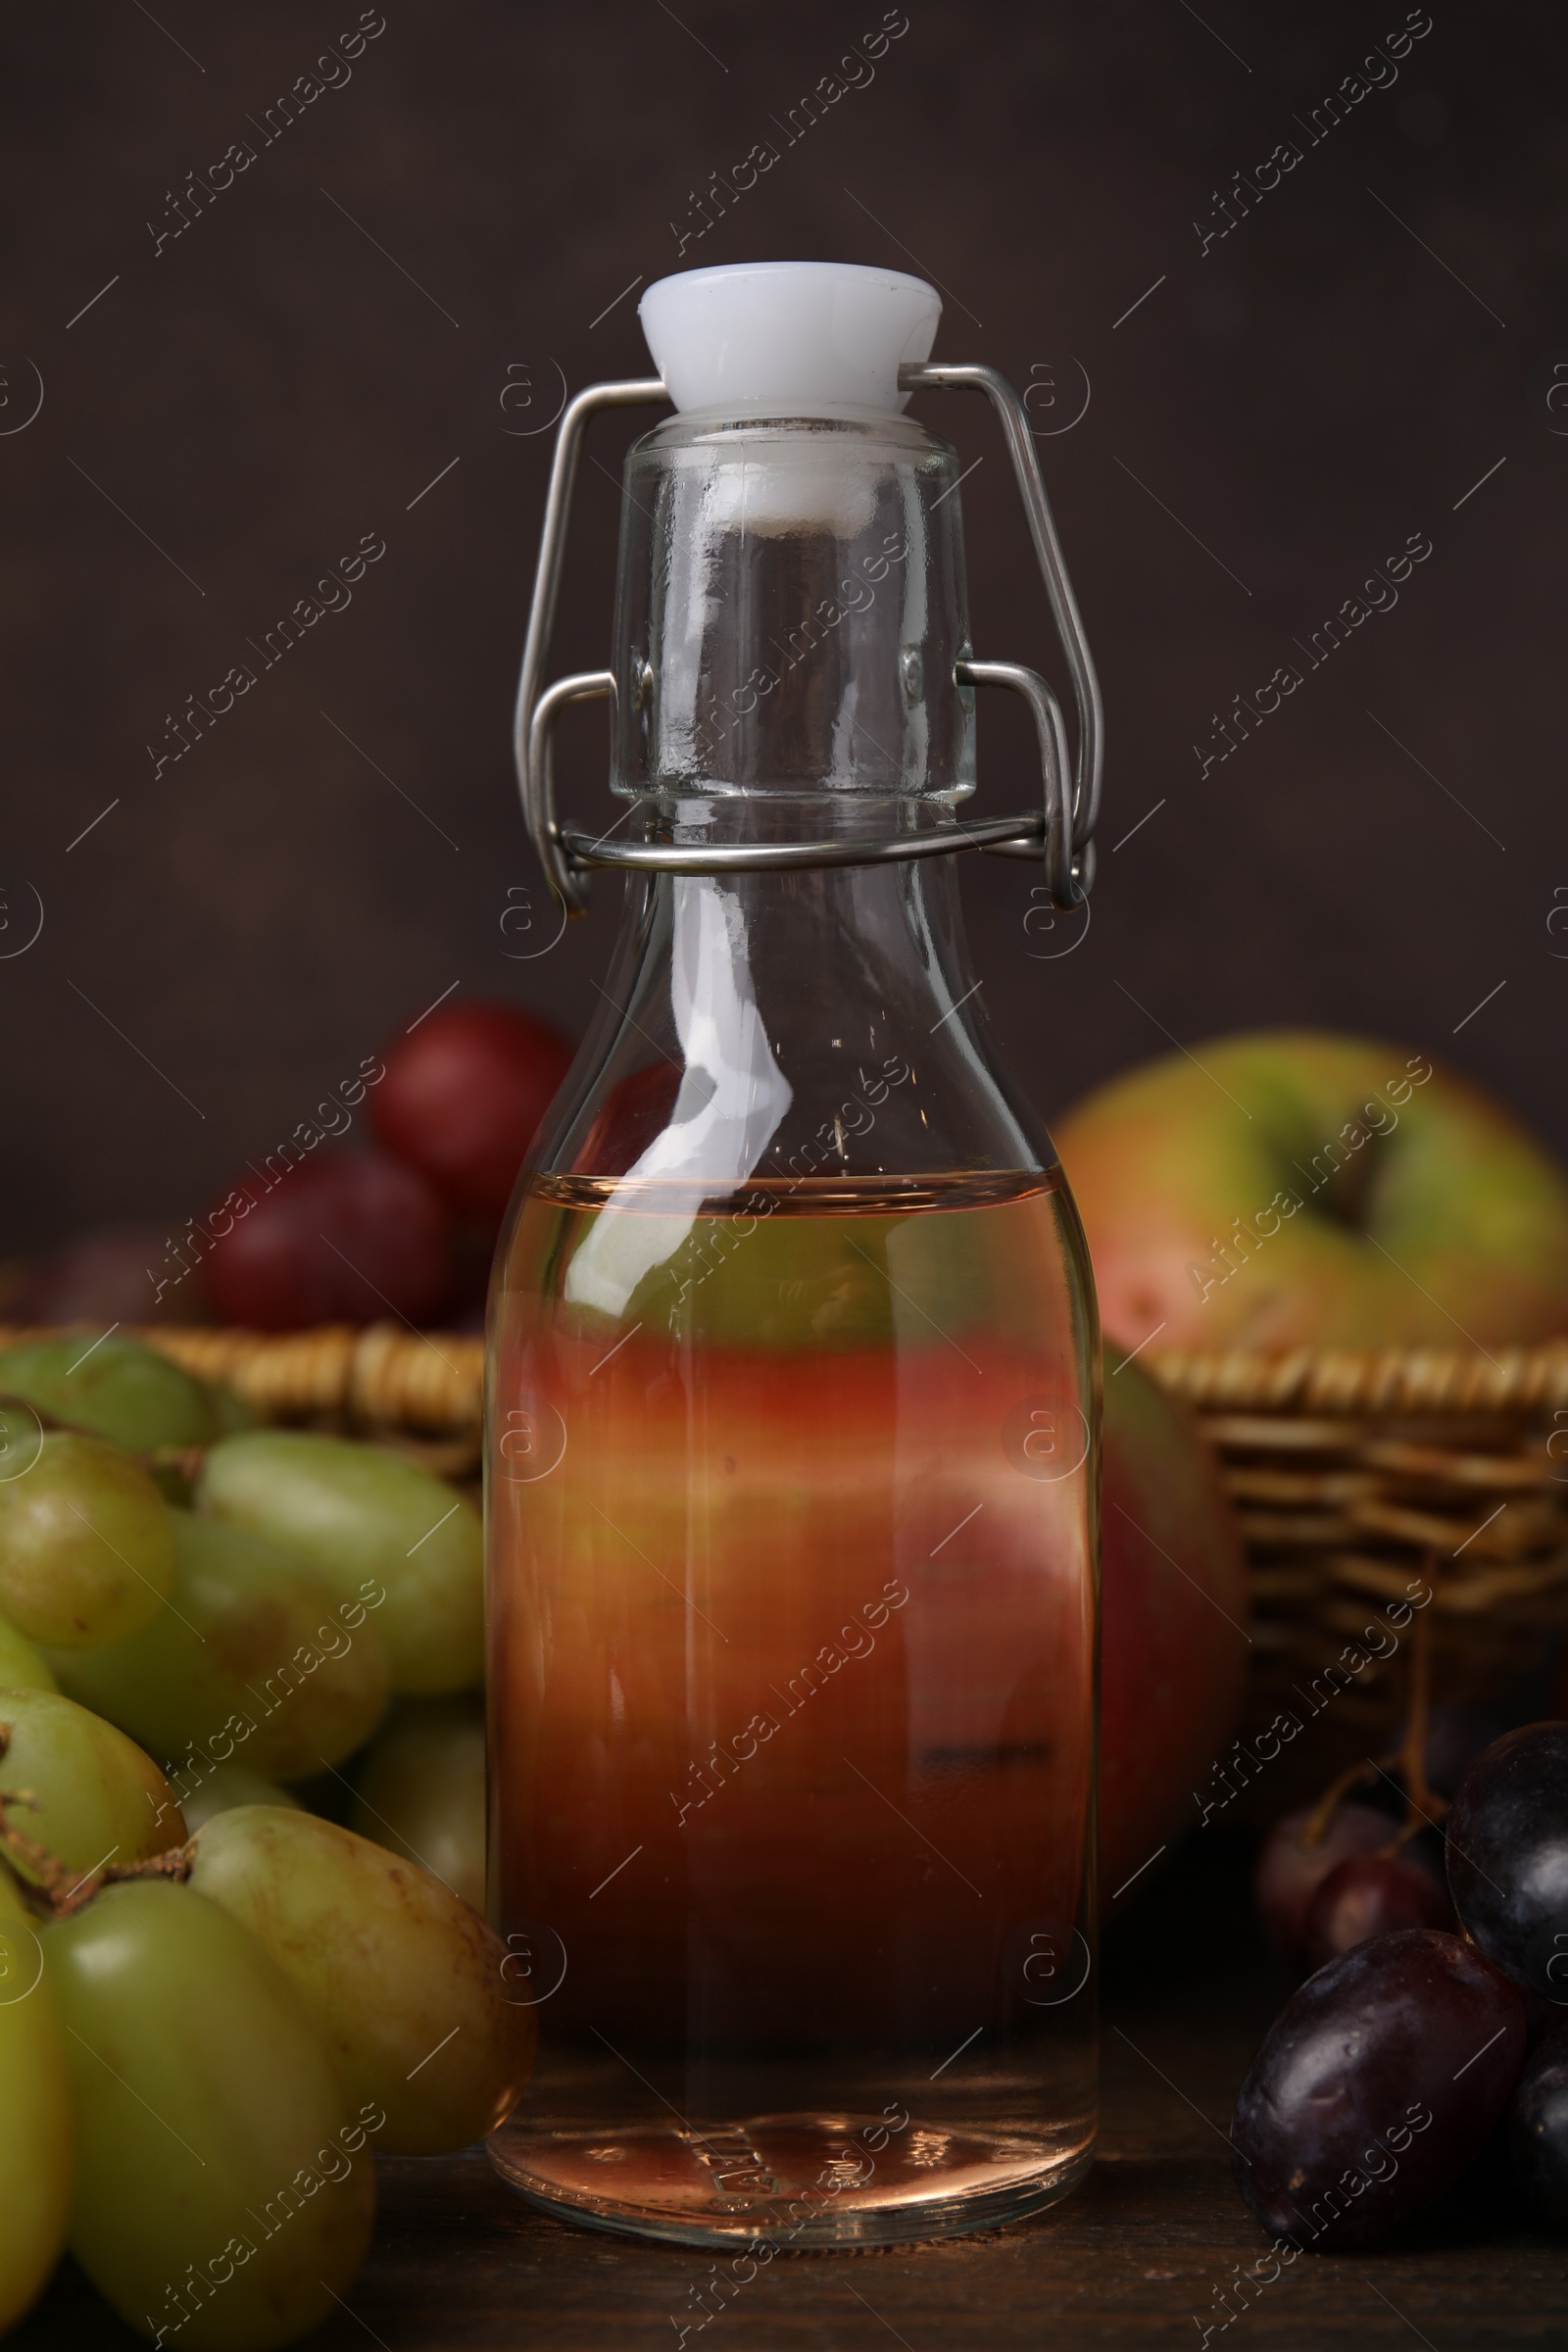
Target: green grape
<point x="119" y="1390"/>
<point x="20" y="1437"/>
<point x="86" y="1544"/>
<point x="21" y="1666"/>
<point x="254" y="1656"/>
<point x="404" y="1980"/>
<point x="35" y="2144"/>
<point x="98" y="1799"/>
<point x="420" y="1790"/>
<point x="225" y="2189"/>
<point x="229" y="1784"/>
<point x="361" y="1514"/>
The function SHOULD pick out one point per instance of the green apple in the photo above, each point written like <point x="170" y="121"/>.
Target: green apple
<point x="1296" y="1189"/>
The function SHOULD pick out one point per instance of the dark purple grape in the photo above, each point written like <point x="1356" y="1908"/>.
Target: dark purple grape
<point x="1372" y="1894"/>
<point x="1508" y="1855"/>
<point x="1538" y="2125"/>
<point x="1378" y="2083"/>
<point x="1289" y="1872"/>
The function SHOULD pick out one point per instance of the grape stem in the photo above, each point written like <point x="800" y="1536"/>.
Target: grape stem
<point x="1422" y="1803"/>
<point x="1424" y="1808"/>
<point x="48" y="1885"/>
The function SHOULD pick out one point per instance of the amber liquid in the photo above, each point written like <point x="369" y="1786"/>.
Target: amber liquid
<point x="792" y="1686"/>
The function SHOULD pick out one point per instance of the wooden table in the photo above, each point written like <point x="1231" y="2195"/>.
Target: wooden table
<point x="462" y="2265"/>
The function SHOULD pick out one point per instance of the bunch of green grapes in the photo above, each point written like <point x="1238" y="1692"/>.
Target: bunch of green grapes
<point x="206" y="2038"/>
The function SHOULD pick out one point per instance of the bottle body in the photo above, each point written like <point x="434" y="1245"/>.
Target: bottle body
<point x="792" y="1503"/>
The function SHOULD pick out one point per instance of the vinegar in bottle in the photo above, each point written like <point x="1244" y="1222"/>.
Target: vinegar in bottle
<point x="792" y="1423"/>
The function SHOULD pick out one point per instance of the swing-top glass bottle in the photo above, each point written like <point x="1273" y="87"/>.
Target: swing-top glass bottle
<point x="793" y="1395"/>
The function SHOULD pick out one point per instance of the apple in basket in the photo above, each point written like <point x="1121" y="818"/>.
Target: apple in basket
<point x="1174" y="1640"/>
<point x="1296" y="1189"/>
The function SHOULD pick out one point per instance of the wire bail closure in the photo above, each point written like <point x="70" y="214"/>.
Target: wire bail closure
<point x="1062" y="831"/>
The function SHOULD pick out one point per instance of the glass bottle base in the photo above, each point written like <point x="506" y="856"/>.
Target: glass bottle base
<point x="792" y="2181"/>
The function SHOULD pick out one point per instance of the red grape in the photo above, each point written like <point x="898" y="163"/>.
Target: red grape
<point x="348" y="1238"/>
<point x="1289" y="1872"/>
<point x="108" y="1274"/>
<point x="1508" y="1855"/>
<point x="1371" y="1894"/>
<point x="1378" y="2083"/>
<point x="462" y="1096"/>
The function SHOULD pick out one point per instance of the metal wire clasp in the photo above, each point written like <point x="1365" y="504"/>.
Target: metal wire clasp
<point x="1062" y="831"/>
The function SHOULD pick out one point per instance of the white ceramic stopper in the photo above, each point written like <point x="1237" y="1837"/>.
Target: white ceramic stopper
<point x="801" y="338"/>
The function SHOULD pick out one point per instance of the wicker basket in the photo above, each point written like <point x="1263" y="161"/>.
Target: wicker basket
<point x="1352" y="1475"/>
<point x="1358" y="1477"/>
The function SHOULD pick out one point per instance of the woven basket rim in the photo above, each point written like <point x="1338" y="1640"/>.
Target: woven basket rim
<point x="1361" y="1382"/>
<point x="388" y="1371"/>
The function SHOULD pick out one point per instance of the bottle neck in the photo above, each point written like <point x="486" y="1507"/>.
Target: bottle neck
<point x="791" y="611"/>
<point x="797" y="1023"/>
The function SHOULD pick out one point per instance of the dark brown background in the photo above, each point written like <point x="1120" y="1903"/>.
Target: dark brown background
<point x="235" y="934"/>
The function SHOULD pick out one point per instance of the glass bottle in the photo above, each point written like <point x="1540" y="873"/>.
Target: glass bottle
<point x="792" y="1459"/>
